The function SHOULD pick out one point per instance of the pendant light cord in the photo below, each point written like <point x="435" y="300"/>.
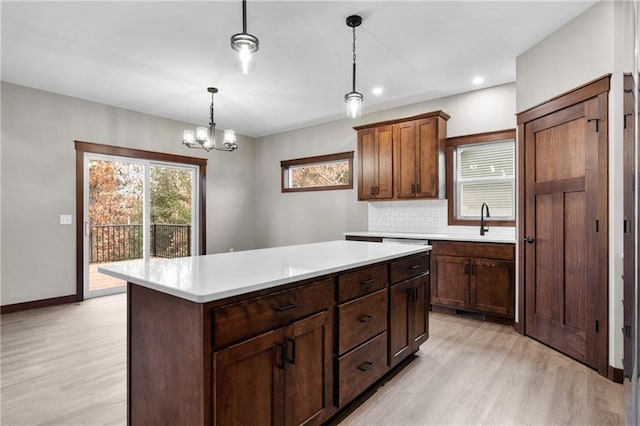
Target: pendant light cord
<point x="354" y="58"/>
<point x="244" y="16"/>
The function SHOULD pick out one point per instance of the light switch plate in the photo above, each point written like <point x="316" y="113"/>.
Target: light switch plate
<point x="65" y="219"/>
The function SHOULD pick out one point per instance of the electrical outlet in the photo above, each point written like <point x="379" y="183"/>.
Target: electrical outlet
<point x="66" y="219"/>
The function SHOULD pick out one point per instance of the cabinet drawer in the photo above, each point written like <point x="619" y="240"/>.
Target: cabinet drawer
<point x="360" y="368"/>
<point x="361" y="319"/>
<point x="364" y="281"/>
<point x="251" y="317"/>
<point x="410" y="267"/>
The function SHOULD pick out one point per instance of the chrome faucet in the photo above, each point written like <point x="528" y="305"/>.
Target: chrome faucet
<point x="482" y="216"/>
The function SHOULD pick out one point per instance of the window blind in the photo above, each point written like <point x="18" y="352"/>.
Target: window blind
<point x="485" y="173"/>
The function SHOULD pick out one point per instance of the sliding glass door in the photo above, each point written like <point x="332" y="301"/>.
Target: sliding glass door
<point x="135" y="211"/>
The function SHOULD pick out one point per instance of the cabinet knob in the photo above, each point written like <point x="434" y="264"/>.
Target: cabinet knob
<point x="529" y="239"/>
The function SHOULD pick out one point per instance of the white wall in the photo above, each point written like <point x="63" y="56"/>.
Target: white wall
<point x="301" y="217"/>
<point x="577" y="53"/>
<point x="38" y="184"/>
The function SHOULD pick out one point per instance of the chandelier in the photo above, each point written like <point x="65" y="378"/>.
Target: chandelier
<point x="205" y="137"/>
<point x="353" y="98"/>
<point x="245" y="44"/>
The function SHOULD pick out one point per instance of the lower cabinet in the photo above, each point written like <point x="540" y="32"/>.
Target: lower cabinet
<point x="408" y="317"/>
<point x="478" y="277"/>
<point x="283" y="376"/>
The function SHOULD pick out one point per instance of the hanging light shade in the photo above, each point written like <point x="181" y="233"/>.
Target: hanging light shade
<point x="354" y="99"/>
<point x="245" y="44"/>
<point x="205" y="137"/>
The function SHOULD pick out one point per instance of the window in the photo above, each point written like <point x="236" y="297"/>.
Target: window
<point x="481" y="169"/>
<point x="319" y="173"/>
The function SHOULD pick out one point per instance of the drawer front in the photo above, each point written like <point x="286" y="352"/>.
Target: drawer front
<point x="361" y="368"/>
<point x="361" y="319"/>
<point x="467" y="249"/>
<point x="249" y="318"/>
<point x="358" y="283"/>
<point x="410" y="267"/>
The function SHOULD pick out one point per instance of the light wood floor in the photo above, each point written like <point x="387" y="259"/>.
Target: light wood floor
<point x="66" y="366"/>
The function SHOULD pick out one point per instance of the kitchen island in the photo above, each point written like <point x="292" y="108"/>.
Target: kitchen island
<point x="286" y="335"/>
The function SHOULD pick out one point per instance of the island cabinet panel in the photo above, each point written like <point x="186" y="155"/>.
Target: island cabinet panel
<point x="408" y="317"/>
<point x="165" y="335"/>
<point x="289" y="355"/>
<point x="360" y="368"/>
<point x="248" y="318"/>
<point x="478" y="277"/>
<point x="361" y="282"/>
<point x="280" y="377"/>
<point x="361" y="319"/>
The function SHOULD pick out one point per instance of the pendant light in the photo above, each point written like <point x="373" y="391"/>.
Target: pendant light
<point x="353" y="98"/>
<point x="245" y="44"/>
<point x="205" y="137"/>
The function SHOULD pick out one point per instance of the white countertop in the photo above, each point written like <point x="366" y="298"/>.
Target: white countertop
<point x="218" y="276"/>
<point x="487" y="238"/>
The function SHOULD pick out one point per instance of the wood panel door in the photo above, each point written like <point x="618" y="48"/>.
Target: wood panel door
<point x="630" y="223"/>
<point x="450" y="286"/>
<point x="375" y="171"/>
<point x="405" y="148"/>
<point x="491" y="287"/>
<point x="408" y="318"/>
<point x="248" y="385"/>
<point x="565" y="231"/>
<point x="308" y="370"/>
<point x="428" y="156"/>
<point x="367" y="157"/>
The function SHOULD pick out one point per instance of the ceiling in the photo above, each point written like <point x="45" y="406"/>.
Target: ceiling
<point x="159" y="57"/>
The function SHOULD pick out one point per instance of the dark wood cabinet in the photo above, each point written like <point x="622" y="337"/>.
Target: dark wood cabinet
<point x="408" y="303"/>
<point x="375" y="163"/>
<point x="291" y="355"/>
<point x="478" y="277"/>
<point x="403" y="159"/>
<point x="279" y="377"/>
<point x="418" y="158"/>
<point x="408" y="317"/>
<point x="362" y="311"/>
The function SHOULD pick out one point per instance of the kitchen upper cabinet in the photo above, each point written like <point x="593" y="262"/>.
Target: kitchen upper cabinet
<point x="280" y="377"/>
<point x="419" y="158"/>
<point x="478" y="277"/>
<point x="375" y="160"/>
<point x="415" y="168"/>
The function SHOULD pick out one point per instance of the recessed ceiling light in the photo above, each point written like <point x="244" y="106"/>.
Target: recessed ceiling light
<point x="478" y="80"/>
<point x="377" y="90"/>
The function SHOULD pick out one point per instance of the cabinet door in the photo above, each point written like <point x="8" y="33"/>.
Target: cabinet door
<point x="399" y="335"/>
<point x="249" y="382"/>
<point x="427" y="158"/>
<point x="491" y="287"/>
<point x="450" y="286"/>
<point x="367" y="158"/>
<point x="384" y="141"/>
<point x="308" y="373"/>
<point x="408" y="318"/>
<point x="375" y="158"/>
<point x="405" y="148"/>
<point x="419" y="315"/>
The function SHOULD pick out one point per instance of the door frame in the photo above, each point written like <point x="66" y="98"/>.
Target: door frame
<point x="83" y="148"/>
<point x="580" y="94"/>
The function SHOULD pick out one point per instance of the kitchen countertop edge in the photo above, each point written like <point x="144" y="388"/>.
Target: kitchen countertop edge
<point x="138" y="273"/>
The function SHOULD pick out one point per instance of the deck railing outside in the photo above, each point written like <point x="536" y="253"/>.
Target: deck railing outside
<point x="109" y="243"/>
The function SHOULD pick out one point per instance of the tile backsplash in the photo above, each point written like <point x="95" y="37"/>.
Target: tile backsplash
<point x="427" y="216"/>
